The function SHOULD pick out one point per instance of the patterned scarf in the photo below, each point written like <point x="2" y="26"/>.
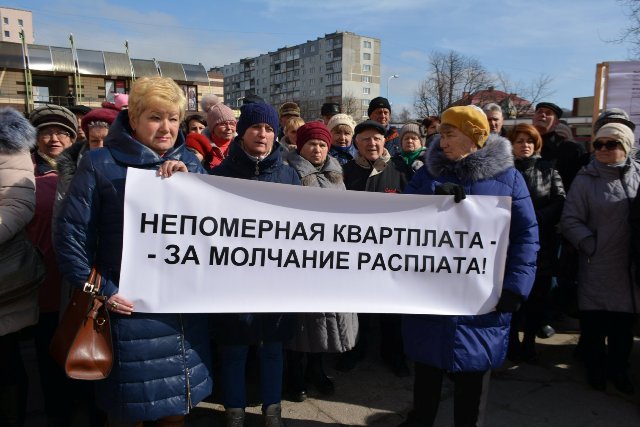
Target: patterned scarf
<point x="50" y="160"/>
<point x="377" y="166"/>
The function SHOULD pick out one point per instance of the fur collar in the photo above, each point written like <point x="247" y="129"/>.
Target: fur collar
<point x="308" y="173"/>
<point x="494" y="158"/>
<point x="16" y="133"/>
<point x="67" y="161"/>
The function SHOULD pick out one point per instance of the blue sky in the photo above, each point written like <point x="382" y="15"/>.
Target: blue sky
<point x="565" y="39"/>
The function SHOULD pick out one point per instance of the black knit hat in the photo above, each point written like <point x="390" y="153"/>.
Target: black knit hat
<point x="330" y="109"/>
<point x="254" y="113"/>
<point x="550" y="105"/>
<point x="378" y="102"/>
<point x="54" y="115"/>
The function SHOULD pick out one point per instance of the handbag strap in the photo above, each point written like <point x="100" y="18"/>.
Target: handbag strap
<point x="93" y="283"/>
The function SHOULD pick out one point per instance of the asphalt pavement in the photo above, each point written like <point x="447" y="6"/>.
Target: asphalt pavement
<point x="552" y="392"/>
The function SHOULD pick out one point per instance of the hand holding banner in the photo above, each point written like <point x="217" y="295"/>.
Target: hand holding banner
<point x="214" y="244"/>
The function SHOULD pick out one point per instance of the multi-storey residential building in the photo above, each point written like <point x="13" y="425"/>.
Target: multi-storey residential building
<point x="340" y="67"/>
<point x="12" y="21"/>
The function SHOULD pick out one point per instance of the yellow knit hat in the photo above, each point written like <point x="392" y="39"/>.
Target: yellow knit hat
<point x="470" y="120"/>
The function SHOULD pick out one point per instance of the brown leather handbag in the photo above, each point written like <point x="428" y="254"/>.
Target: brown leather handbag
<point x="82" y="343"/>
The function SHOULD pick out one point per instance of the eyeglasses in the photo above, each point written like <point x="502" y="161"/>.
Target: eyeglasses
<point x="59" y="133"/>
<point x="609" y="145"/>
<point x="228" y="123"/>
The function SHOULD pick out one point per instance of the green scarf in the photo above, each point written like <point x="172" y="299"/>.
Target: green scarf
<point x="411" y="156"/>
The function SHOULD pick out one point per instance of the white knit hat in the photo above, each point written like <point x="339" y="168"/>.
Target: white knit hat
<point x="341" y="119"/>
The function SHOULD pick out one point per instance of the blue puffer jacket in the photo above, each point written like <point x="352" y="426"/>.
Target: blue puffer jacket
<point x="476" y="343"/>
<point x="252" y="328"/>
<point x="161" y="361"/>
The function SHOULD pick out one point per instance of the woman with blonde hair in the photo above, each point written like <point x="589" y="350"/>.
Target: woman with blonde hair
<point x="161" y="361"/>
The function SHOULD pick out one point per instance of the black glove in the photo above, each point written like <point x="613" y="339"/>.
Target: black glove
<point x="451" y="189"/>
<point x="509" y="302"/>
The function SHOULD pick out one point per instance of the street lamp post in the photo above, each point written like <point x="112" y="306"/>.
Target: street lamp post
<point x="395" y="76"/>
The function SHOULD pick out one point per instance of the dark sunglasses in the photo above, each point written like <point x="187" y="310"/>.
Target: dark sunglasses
<point x="609" y="145"/>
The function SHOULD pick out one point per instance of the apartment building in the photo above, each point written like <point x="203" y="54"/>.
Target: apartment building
<point x="12" y="21"/>
<point x="340" y="67"/>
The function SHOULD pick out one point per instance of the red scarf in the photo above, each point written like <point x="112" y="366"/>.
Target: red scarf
<point x="220" y="148"/>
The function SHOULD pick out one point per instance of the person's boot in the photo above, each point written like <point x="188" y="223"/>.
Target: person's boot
<point x="513" y="349"/>
<point x="234" y="417"/>
<point x="546" y="331"/>
<point x="296" y="381"/>
<point x="317" y="376"/>
<point x="622" y="382"/>
<point x="528" y="348"/>
<point x="273" y="416"/>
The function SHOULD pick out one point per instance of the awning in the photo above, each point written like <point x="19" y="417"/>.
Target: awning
<point x="11" y="55"/>
<point x="173" y="70"/>
<point x="40" y="58"/>
<point x="62" y="59"/>
<point x="91" y="62"/>
<point x="117" y="64"/>
<point x="195" y="73"/>
<point x="144" y="68"/>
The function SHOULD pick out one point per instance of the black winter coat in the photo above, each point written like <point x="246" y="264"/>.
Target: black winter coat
<point x="393" y="178"/>
<point x="567" y="157"/>
<point x="548" y="195"/>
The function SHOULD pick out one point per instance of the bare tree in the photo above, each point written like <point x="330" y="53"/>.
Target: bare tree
<point x="350" y="105"/>
<point x="403" y="116"/>
<point x="631" y="33"/>
<point x="450" y="77"/>
<point x="533" y="92"/>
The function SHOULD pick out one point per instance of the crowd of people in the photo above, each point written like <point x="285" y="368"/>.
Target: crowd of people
<point x="575" y="226"/>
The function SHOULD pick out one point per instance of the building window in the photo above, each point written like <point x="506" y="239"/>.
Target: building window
<point x="7" y="34"/>
<point x="366" y="44"/>
<point x="366" y="68"/>
<point x="365" y="102"/>
<point x="366" y="56"/>
<point x="6" y="20"/>
<point x="20" y="22"/>
<point x="366" y="91"/>
<point x="366" y="79"/>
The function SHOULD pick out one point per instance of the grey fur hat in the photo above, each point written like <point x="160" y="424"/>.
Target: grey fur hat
<point x="54" y="115"/>
<point x="16" y="133"/>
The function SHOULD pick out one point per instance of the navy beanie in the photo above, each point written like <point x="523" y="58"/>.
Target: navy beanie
<point x="254" y="113"/>
<point x="378" y="102"/>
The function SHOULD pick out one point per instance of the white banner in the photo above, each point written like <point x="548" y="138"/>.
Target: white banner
<point x="199" y="243"/>
<point x="623" y="90"/>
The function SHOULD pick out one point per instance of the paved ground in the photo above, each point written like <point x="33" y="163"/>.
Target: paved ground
<point x="551" y="393"/>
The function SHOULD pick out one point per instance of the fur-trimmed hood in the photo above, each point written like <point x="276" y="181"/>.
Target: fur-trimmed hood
<point x="329" y="175"/>
<point x="16" y="133"/>
<point x="494" y="158"/>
